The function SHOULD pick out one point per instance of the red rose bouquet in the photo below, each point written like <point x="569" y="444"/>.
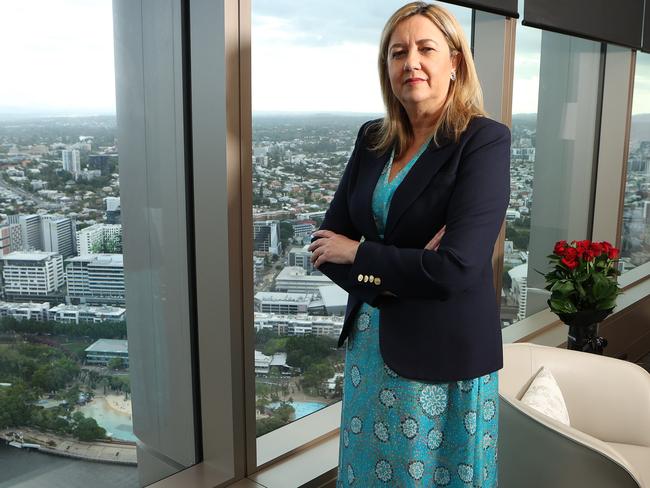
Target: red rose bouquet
<point x="583" y="278"/>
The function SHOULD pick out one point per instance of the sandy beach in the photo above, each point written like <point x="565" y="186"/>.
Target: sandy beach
<point x="117" y="403"/>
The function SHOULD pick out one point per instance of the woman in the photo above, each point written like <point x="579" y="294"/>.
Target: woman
<point x="410" y="234"/>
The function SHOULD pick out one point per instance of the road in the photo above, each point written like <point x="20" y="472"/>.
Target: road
<point x="40" y="202"/>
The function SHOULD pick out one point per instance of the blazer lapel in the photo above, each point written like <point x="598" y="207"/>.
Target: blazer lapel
<point x="368" y="177"/>
<point x="415" y="181"/>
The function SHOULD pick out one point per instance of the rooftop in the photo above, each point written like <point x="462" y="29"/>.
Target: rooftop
<point x="109" y="345"/>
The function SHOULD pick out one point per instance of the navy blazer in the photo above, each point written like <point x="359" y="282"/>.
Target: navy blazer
<point x="438" y="314"/>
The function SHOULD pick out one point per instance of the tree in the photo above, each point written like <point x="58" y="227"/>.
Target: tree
<point x="87" y="430"/>
<point x="316" y="375"/>
<point x="116" y="363"/>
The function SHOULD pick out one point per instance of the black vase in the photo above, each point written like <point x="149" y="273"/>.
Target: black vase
<point x="583" y="330"/>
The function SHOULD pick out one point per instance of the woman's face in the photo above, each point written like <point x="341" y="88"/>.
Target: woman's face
<point x="419" y="65"/>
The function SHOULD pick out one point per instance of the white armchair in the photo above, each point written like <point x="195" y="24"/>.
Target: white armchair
<point x="608" y="442"/>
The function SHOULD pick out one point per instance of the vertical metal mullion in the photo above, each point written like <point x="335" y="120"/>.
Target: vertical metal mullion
<point x="246" y="192"/>
<point x="613" y="144"/>
<point x="189" y="203"/>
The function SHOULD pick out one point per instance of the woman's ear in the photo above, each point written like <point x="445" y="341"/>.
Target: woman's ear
<point x="455" y="60"/>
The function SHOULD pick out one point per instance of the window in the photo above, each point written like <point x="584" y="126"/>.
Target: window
<point x="91" y="226"/>
<point x="314" y="82"/>
<point x="554" y="126"/>
<point x="635" y="237"/>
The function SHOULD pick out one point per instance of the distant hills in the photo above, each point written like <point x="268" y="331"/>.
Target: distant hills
<point x="640" y="129"/>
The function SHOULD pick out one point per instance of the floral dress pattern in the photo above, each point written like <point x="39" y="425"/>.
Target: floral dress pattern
<point x="401" y="432"/>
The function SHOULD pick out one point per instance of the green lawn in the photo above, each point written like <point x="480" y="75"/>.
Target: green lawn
<point x="77" y="347"/>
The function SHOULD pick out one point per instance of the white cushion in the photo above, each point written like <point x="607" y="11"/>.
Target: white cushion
<point x="545" y="396"/>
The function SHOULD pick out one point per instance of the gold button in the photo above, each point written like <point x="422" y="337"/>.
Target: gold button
<point x="360" y="277"/>
<point x="371" y="279"/>
<point x="377" y="280"/>
<point x="365" y="279"/>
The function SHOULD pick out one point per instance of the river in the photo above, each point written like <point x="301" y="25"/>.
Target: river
<point x="26" y="469"/>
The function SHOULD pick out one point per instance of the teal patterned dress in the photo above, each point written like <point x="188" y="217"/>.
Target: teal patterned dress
<point x="401" y="432"/>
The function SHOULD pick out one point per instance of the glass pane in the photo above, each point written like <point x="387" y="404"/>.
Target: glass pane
<point x="555" y="95"/>
<point x="635" y="234"/>
<point x="314" y="82"/>
<point x="67" y="370"/>
<point x="64" y="365"/>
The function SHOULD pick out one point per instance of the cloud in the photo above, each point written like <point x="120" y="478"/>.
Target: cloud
<point x="57" y="55"/>
<point x="309" y="58"/>
<point x="641" y="97"/>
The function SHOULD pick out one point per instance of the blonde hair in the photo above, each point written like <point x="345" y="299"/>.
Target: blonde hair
<point x="464" y="98"/>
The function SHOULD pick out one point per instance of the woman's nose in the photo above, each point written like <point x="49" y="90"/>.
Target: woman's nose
<point x="412" y="60"/>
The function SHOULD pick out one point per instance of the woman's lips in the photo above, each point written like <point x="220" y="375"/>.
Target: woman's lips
<point x="413" y="81"/>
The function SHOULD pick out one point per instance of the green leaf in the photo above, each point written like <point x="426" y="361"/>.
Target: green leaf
<point x="580" y="289"/>
<point x="543" y="274"/>
<point x="605" y="304"/>
<point x="563" y="287"/>
<point x="602" y="287"/>
<point x="562" y="305"/>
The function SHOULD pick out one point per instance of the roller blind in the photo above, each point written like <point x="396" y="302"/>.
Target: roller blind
<point x="500" y="7"/>
<point x="619" y="22"/>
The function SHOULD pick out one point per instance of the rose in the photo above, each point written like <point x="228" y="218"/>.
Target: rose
<point x="560" y="247"/>
<point x="581" y="246"/>
<point x="596" y="248"/>
<point x="569" y="259"/>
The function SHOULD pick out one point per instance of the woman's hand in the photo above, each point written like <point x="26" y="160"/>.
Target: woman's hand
<point x="332" y="248"/>
<point x="434" y="243"/>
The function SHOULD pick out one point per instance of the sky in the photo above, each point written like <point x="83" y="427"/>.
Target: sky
<point x="305" y="57"/>
<point x="57" y="56"/>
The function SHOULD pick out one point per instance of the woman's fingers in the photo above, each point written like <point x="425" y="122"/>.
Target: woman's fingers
<point x="434" y="243"/>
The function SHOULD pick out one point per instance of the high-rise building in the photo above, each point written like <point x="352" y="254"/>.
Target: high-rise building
<point x="59" y="235"/>
<point x="95" y="279"/>
<point x="113" y="210"/>
<point x="53" y="233"/>
<point x="5" y="239"/>
<point x="91" y="237"/>
<point x="266" y="236"/>
<point x="30" y="232"/>
<point x="36" y="274"/>
<point x="71" y="160"/>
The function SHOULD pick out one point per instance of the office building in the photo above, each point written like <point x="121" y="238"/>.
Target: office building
<point x="32" y="275"/>
<point x="71" y="161"/>
<point x="95" y="279"/>
<point x="101" y="352"/>
<point x="91" y="239"/>
<point x="86" y="313"/>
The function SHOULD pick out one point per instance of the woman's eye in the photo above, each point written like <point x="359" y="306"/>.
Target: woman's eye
<point x="397" y="54"/>
<point x="426" y="49"/>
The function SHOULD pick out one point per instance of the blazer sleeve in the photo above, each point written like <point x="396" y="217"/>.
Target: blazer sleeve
<point x="476" y="210"/>
<point x="337" y="219"/>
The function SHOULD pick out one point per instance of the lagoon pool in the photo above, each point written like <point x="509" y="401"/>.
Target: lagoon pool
<point x="118" y="425"/>
<point x="301" y="408"/>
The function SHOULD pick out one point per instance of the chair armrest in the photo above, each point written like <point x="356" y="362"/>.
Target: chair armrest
<point x="607" y="398"/>
<point x="527" y="433"/>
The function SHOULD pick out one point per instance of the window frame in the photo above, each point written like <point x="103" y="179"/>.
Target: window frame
<point x="222" y="132"/>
